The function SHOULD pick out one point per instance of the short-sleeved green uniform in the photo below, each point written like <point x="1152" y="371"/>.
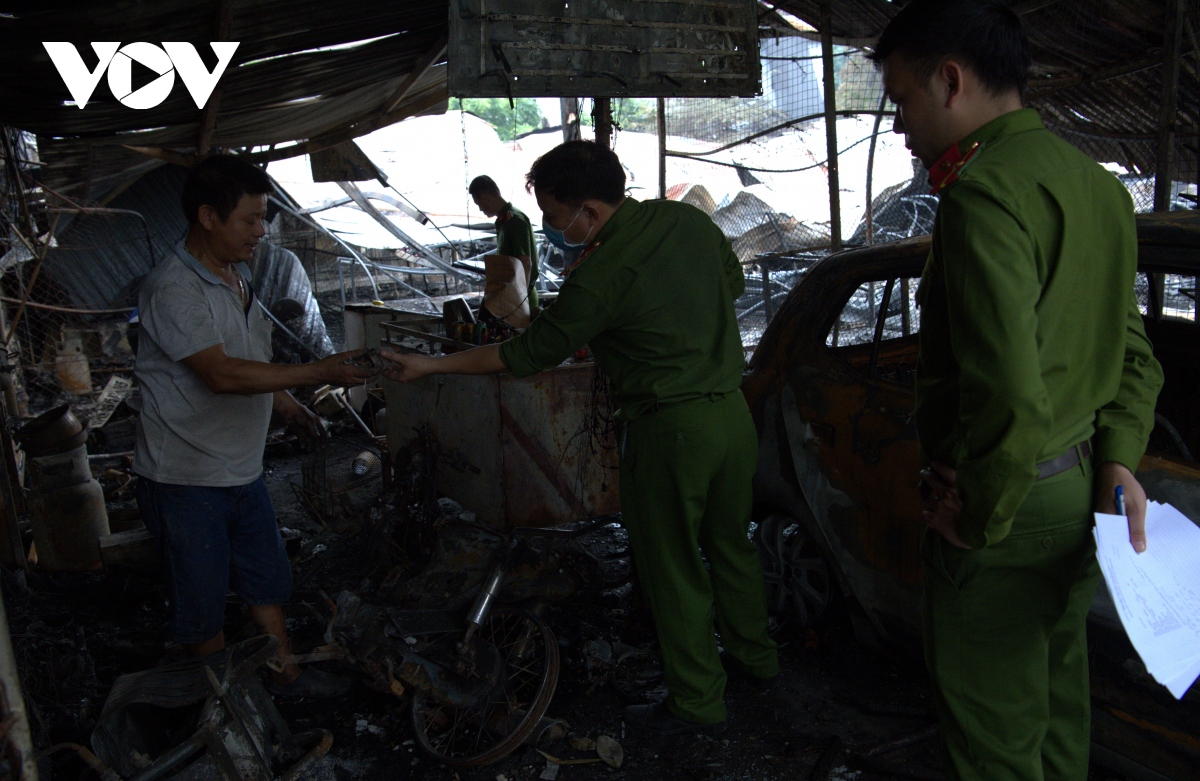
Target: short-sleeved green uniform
<point x="514" y="236"/>
<point x="654" y="300"/>
<point x="1031" y="344"/>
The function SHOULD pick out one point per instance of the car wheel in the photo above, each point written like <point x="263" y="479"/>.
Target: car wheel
<point x="797" y="577"/>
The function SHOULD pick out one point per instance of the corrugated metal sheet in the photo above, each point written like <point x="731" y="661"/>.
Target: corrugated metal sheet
<point x="100" y="259"/>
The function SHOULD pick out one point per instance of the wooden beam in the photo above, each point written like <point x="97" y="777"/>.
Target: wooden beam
<point x="1028" y="7"/>
<point x="662" y="148"/>
<point x="166" y="155"/>
<point x="1164" y="159"/>
<point x="208" y="115"/>
<point x="420" y="68"/>
<point x="602" y="117"/>
<point x="568" y="109"/>
<point x="1043" y="87"/>
<point x="831" y="142"/>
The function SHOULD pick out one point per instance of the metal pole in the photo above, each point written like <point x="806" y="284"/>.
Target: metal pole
<point x="870" y="220"/>
<point x="662" y="148"/>
<point x="1164" y="162"/>
<point x="768" y="309"/>
<point x="831" y="142"/>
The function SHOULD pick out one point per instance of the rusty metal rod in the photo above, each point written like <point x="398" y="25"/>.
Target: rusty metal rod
<point x="105" y="772"/>
<point x="66" y="309"/>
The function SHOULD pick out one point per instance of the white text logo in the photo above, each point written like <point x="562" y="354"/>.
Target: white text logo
<point x="118" y="60"/>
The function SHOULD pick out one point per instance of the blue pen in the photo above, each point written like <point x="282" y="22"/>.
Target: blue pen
<point x="1120" y="500"/>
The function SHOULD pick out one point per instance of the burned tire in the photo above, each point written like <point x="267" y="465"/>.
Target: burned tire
<point x="800" y="584"/>
<point x="497" y="725"/>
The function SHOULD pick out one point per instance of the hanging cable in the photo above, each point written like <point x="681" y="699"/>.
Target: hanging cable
<point x="431" y="222"/>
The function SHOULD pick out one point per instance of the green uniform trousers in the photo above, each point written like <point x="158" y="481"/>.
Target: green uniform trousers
<point x="1005" y="639"/>
<point x="685" y="488"/>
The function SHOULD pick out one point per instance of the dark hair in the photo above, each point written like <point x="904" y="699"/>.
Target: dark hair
<point x="483" y="184"/>
<point x="220" y="181"/>
<point x="984" y="35"/>
<point x="576" y="171"/>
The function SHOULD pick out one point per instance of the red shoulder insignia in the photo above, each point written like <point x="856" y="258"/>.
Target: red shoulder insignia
<point x="946" y="170"/>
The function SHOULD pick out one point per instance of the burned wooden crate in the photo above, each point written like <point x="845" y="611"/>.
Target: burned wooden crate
<point x="516" y="452"/>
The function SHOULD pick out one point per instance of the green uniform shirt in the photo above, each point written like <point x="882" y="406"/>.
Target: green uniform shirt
<point x="514" y="236"/>
<point x="1031" y="338"/>
<point x="654" y="301"/>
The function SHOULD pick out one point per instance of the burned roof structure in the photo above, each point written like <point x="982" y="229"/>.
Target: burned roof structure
<point x="1118" y="78"/>
<point x="304" y="70"/>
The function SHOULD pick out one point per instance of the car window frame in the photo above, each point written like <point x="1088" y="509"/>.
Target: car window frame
<point x="889" y="281"/>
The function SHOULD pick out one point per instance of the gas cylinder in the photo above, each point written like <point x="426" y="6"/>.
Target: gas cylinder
<point x="66" y="511"/>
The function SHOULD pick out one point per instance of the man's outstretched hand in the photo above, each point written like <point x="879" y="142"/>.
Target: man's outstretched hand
<point x="942" y="505"/>
<point x="340" y="371"/>
<point x="1109" y="475"/>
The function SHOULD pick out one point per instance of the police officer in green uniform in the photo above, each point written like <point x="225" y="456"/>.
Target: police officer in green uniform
<point x="1035" y="390"/>
<point x="514" y="232"/>
<point x="652" y="295"/>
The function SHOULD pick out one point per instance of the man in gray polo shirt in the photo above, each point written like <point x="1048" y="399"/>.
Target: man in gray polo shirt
<point x="208" y="389"/>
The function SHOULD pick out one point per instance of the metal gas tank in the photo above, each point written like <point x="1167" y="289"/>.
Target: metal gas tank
<point x="67" y="526"/>
<point x="66" y="512"/>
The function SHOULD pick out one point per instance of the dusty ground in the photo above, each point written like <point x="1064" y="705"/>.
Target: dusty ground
<point x="834" y="702"/>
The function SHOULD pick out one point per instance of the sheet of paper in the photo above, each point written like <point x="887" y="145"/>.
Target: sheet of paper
<point x="1157" y="593"/>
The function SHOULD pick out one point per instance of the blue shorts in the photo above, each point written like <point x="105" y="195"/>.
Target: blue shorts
<point x="211" y="539"/>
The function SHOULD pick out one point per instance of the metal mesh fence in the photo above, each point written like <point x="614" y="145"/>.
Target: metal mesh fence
<point x="760" y="167"/>
<point x="65" y="323"/>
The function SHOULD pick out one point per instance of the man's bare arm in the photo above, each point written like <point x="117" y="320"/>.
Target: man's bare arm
<point x="223" y="374"/>
<point x="414" y="366"/>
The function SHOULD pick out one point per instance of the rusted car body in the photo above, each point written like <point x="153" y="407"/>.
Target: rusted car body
<point x="831" y="390"/>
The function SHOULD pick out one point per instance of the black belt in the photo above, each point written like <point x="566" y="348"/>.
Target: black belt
<point x="1068" y="460"/>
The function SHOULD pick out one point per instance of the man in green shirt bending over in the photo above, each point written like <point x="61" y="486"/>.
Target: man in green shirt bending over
<point x="514" y="233"/>
<point x="652" y="295"/>
<point x="1035" y="390"/>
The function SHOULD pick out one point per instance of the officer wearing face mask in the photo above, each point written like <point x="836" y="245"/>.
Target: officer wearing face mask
<point x="652" y="294"/>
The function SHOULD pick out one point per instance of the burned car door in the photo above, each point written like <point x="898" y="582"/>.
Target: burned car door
<point x="859" y="409"/>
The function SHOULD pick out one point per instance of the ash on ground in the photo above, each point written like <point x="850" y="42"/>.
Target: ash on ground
<point x="834" y="703"/>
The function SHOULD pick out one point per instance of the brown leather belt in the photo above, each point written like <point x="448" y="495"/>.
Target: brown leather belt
<point x="1068" y="460"/>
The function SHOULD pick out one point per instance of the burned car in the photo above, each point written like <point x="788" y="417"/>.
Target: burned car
<point x="838" y="511"/>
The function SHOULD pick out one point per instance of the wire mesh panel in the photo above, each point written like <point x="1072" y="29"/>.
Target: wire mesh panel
<point x="760" y="166"/>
